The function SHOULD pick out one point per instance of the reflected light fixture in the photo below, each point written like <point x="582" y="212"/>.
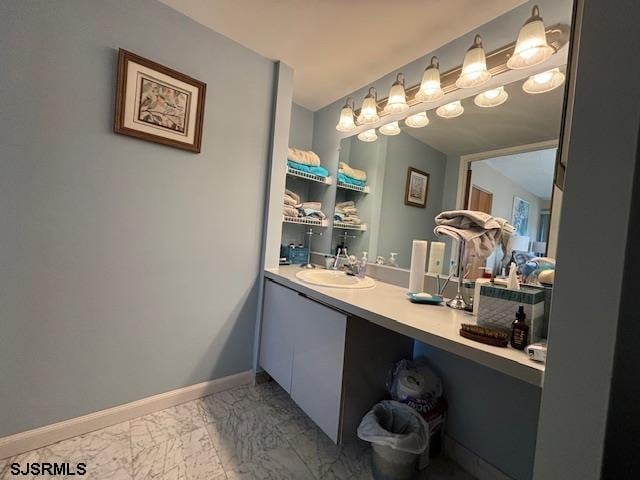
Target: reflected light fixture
<point x="418" y="120"/>
<point x="491" y="98"/>
<point x="450" y="110"/>
<point x="430" y="88"/>
<point x="544" y="82"/>
<point x="390" y="129"/>
<point x="369" y="110"/>
<point x="474" y="68"/>
<point x="368" y="135"/>
<point x="346" y="123"/>
<point x="531" y="46"/>
<point x="397" y="101"/>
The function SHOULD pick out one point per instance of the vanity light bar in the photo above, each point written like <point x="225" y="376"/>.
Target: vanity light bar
<point x="557" y="37"/>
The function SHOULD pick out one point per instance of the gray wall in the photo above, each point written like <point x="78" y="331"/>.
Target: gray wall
<point x="301" y="131"/>
<point x="117" y="279"/>
<point x="493" y="415"/>
<point x="400" y="224"/>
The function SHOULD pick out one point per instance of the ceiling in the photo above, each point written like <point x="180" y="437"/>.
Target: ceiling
<point x="533" y="171"/>
<point x="338" y="46"/>
<point x="521" y="120"/>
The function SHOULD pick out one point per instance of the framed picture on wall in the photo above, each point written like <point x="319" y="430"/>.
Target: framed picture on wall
<point x="520" y="216"/>
<point x="158" y="104"/>
<point x="417" y="188"/>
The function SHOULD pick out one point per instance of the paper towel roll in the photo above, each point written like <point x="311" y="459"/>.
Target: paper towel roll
<point x="418" y="264"/>
<point x="436" y="257"/>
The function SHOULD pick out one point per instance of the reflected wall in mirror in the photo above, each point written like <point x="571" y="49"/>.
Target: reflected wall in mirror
<point x="481" y="160"/>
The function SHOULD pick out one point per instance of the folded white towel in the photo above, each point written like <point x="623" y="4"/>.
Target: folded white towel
<point x="479" y="230"/>
<point x="293" y="195"/>
<point x="352" y="172"/>
<point x="312" y="205"/>
<point x="289" y="211"/>
<point x="350" y="203"/>
<point x="303" y="156"/>
<point x="290" y="201"/>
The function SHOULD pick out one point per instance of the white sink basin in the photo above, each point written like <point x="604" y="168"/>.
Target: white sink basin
<point x="335" y="279"/>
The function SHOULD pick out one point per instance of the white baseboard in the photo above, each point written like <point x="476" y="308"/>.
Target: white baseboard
<point x="43" y="436"/>
<point x="472" y="463"/>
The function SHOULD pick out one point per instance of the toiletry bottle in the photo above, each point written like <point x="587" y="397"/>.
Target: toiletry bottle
<point x="362" y="266"/>
<point x="520" y="330"/>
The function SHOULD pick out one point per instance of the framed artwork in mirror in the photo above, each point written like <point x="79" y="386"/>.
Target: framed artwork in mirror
<point x="520" y="216"/>
<point x="158" y="104"/>
<point x="416" y="188"/>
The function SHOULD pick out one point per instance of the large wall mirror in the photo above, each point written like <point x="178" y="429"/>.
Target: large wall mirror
<point x="499" y="160"/>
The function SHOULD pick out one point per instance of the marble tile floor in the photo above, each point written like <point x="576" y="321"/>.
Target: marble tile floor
<point x="249" y="432"/>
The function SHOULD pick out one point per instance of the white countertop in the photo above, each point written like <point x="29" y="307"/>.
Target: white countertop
<point x="386" y="305"/>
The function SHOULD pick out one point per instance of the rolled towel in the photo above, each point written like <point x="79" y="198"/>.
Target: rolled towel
<point x="353" y="172"/>
<point x="293" y="195"/>
<point x="289" y="201"/>
<point x="289" y="211"/>
<point x="303" y="157"/>
<point x="479" y="230"/>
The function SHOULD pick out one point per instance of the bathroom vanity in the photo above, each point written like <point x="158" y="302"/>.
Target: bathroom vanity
<point x="331" y="348"/>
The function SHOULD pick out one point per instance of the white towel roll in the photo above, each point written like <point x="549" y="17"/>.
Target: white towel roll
<point x="418" y="264"/>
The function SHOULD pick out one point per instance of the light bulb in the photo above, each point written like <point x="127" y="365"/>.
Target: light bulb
<point x="544" y="82"/>
<point x="418" y="120"/>
<point x="491" y="98"/>
<point x="430" y="88"/>
<point x="390" y="129"/>
<point x="450" y="110"/>
<point x="369" y="109"/>
<point x="397" y="101"/>
<point x="474" y="68"/>
<point x="368" y="135"/>
<point x="531" y="46"/>
<point x="346" y="123"/>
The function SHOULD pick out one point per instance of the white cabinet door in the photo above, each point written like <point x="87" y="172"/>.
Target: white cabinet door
<point x="318" y="358"/>
<point x="276" y="341"/>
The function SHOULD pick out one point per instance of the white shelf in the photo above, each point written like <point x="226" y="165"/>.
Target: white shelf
<point x="350" y="226"/>
<point x="305" y="221"/>
<point x="309" y="176"/>
<point x="355" y="188"/>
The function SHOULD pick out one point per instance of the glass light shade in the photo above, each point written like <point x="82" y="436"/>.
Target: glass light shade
<point x="430" y="88"/>
<point x="491" y="98"/>
<point x="397" y="101"/>
<point x="369" y="110"/>
<point x="418" y="120"/>
<point x="531" y="46"/>
<point x="450" y="110"/>
<point x="390" y="129"/>
<point x="368" y="135"/>
<point x="474" y="68"/>
<point x="346" y="123"/>
<point x="544" y="82"/>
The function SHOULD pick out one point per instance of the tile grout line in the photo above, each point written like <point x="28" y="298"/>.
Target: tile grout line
<point x="131" y="450"/>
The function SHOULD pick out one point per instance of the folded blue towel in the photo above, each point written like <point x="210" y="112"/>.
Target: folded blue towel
<point x="352" y="181"/>
<point x="319" y="171"/>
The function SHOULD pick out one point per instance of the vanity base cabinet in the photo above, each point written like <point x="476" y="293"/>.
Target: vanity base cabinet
<point x="318" y="356"/>
<point x="302" y="348"/>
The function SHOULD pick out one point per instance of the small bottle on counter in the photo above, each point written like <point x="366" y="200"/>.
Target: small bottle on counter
<point x="520" y="330"/>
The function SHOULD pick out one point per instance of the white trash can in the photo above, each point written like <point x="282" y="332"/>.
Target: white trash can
<point x="398" y="435"/>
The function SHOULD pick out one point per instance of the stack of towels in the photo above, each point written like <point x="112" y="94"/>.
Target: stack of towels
<point x="347" y="212"/>
<point x="352" y="176"/>
<point x="305" y="161"/>
<point x="293" y="207"/>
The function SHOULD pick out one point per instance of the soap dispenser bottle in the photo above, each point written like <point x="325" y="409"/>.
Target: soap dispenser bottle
<point x="362" y="265"/>
<point x="520" y="330"/>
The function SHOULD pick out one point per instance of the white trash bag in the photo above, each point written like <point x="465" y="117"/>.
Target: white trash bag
<point x="399" y="435"/>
